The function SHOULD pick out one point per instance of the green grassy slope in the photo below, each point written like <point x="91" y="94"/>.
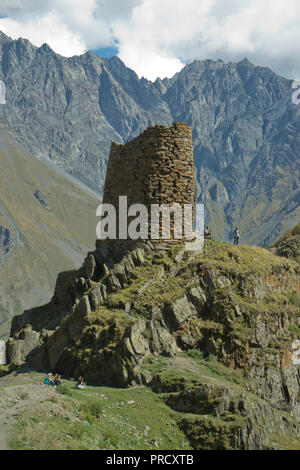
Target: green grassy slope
<point x="180" y="413"/>
<point x="288" y="245"/>
<point x="47" y="241"/>
<point x="230" y="384"/>
<point x="94" y="418"/>
<point x="262" y="217"/>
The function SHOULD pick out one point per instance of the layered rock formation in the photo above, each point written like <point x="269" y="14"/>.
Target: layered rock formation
<point x="289" y="244"/>
<point x="2" y="352"/>
<point x="235" y="304"/>
<point x="7" y="241"/>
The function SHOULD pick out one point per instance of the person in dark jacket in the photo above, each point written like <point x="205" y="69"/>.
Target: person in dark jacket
<point x="236" y="236"/>
<point x="57" y="380"/>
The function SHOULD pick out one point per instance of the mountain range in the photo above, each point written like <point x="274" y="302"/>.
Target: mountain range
<point x="211" y="338"/>
<point x="61" y="115"/>
<point x="245" y="127"/>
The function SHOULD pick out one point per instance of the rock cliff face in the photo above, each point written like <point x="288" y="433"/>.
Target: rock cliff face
<point x="6" y="240"/>
<point x="120" y="319"/>
<point x="2" y="353"/>
<point x="289" y="244"/>
<point x="245" y="127"/>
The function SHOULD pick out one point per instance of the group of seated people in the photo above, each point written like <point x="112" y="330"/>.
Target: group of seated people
<point x="56" y="380"/>
<point x="50" y="380"/>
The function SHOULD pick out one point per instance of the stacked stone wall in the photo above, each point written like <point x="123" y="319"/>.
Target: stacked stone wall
<point x="156" y="167"/>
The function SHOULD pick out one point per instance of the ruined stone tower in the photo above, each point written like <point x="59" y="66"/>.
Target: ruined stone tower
<point x="157" y="167"/>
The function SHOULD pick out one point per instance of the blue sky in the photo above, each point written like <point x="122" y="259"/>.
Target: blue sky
<point x="158" y="37"/>
<point x="106" y="52"/>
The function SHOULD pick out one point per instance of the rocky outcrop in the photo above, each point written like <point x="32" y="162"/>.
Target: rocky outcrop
<point x="22" y="344"/>
<point x="217" y="414"/>
<point x="237" y="304"/>
<point x="241" y="425"/>
<point x="2" y="353"/>
<point x="7" y="240"/>
<point x="41" y="198"/>
<point x="289" y="248"/>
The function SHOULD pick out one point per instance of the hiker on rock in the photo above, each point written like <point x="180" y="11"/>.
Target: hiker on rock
<point x="236" y="236"/>
<point x="207" y="233"/>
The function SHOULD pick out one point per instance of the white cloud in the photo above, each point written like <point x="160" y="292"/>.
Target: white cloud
<point x="70" y="27"/>
<point x="149" y="41"/>
<point x="267" y="32"/>
<point x="48" y="29"/>
<point x="156" y="37"/>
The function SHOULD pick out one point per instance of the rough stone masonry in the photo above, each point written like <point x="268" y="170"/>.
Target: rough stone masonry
<point x="157" y="167"/>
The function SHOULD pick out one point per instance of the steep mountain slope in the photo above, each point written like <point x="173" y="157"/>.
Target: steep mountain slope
<point x="289" y="244"/>
<point x="245" y="126"/>
<point x="69" y="110"/>
<point x="47" y="222"/>
<point x="247" y="144"/>
<point x="216" y="334"/>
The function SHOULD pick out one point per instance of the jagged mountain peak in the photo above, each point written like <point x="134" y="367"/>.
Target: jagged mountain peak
<point x="46" y="48"/>
<point x="246" y="61"/>
<point x="4" y="37"/>
<point x="242" y="116"/>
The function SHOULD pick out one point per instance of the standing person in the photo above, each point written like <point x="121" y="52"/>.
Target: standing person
<point x="236" y="235"/>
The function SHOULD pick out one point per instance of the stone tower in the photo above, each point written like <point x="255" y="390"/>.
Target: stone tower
<point x="157" y="167"/>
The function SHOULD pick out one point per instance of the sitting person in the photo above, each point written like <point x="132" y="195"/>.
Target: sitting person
<point x="207" y="233"/>
<point x="80" y="383"/>
<point x="57" y="380"/>
<point x="49" y="379"/>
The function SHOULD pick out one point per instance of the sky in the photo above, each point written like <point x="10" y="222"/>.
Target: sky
<point x="157" y="38"/>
